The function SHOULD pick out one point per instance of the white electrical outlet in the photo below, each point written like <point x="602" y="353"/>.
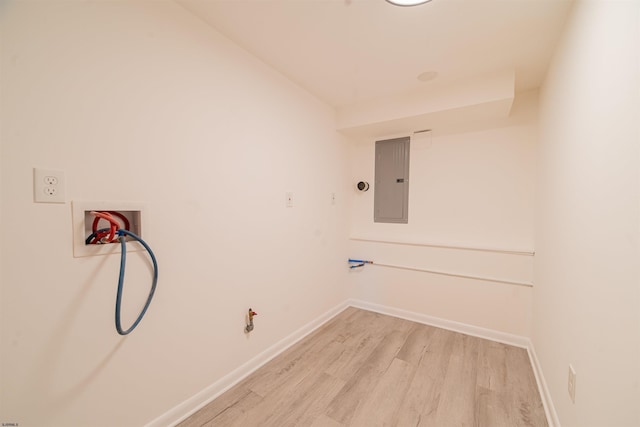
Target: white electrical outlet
<point x="48" y="186"/>
<point x="51" y="180"/>
<point x="572" y="384"/>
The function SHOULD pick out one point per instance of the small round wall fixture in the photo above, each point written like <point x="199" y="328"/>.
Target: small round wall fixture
<point x="405" y="3"/>
<point x="362" y="186"/>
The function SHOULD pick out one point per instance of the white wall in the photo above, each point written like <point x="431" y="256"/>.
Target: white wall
<point x="468" y="187"/>
<point x="587" y="294"/>
<point x="141" y="102"/>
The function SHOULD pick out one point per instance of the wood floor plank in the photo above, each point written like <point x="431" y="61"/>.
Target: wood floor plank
<point x="423" y="395"/>
<point x="356" y="351"/>
<point x="364" y="339"/>
<point x="523" y="389"/>
<point x="311" y="402"/>
<point x="381" y="405"/>
<point x="493" y="370"/>
<point x="325" y="421"/>
<point x="366" y="369"/>
<point x="280" y="401"/>
<point x="492" y="409"/>
<point x="366" y="378"/>
<point x="416" y="344"/>
<point x="232" y="398"/>
<point x="456" y="406"/>
<point x="297" y="358"/>
<point x="499" y="408"/>
<point x="506" y="374"/>
<point x="234" y="414"/>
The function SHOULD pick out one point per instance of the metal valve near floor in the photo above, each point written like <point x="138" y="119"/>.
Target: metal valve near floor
<point x="249" y="326"/>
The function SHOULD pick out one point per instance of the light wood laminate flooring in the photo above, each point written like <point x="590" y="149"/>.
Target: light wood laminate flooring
<point x="365" y="369"/>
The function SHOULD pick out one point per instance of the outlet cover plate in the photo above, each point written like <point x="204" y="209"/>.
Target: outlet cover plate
<point x="48" y="186"/>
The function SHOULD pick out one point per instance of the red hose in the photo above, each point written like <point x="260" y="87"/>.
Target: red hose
<point x="114" y="225"/>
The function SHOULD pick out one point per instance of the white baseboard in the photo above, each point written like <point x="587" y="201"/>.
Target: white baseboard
<point x="476" y="331"/>
<point x="549" y="409"/>
<point x="180" y="412"/>
<point x="201" y="399"/>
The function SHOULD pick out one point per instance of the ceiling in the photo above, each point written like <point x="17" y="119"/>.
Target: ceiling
<point x="350" y="51"/>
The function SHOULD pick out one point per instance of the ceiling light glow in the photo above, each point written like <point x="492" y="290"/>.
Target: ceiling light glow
<point x="407" y="2"/>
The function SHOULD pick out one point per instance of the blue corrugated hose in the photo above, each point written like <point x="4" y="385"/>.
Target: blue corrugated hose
<point x="123" y="260"/>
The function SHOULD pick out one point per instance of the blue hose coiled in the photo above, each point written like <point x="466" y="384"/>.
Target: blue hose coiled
<point x="123" y="260"/>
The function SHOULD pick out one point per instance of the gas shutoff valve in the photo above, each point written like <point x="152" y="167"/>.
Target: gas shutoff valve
<point x="249" y="326"/>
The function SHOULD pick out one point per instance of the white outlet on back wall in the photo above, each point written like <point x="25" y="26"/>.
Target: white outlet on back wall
<point x="48" y="186"/>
